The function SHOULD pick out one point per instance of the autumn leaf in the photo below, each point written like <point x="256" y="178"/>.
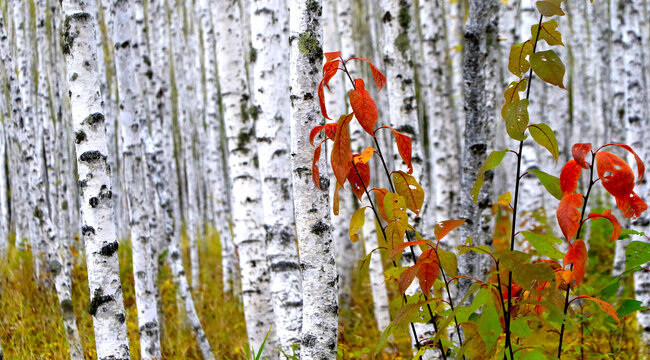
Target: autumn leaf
<point x="404" y="148"/>
<point x="357" y="183"/>
<point x="569" y="177"/>
<point x="395" y="232"/>
<point x="379" y="200"/>
<point x="329" y="70"/>
<point x="504" y="199"/>
<point x="639" y="163"/>
<point x="356" y="223"/>
<point x="378" y="77"/>
<point x="548" y="33"/>
<point x="365" y="155"/>
<point x="605" y="306"/>
<point x="550" y="8"/>
<point x="395" y="206"/>
<point x="335" y="200"/>
<point x="517" y="120"/>
<point x="428" y="270"/>
<point x="616" y="233"/>
<point x="315" y="173"/>
<point x="615" y="174"/>
<point x="492" y="161"/>
<point x="517" y="63"/>
<point x="408" y="187"/>
<point x="568" y="215"/>
<point x="445" y="227"/>
<point x="548" y="66"/>
<point x="341" y="157"/>
<point x="511" y="94"/>
<point x="330" y="132"/>
<point x="632" y="205"/>
<point x="397" y="251"/>
<point x="329" y="56"/>
<point x="321" y="92"/>
<point x="407" y="278"/>
<point x="544" y="135"/>
<point x="365" y="109"/>
<point x="577" y="255"/>
<point x="579" y="152"/>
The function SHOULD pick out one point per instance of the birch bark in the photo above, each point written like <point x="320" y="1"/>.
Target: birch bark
<point x="134" y="181"/>
<point x="269" y="29"/>
<point x="98" y="230"/>
<point x="245" y="177"/>
<point x="320" y="306"/>
<point x="4" y="206"/>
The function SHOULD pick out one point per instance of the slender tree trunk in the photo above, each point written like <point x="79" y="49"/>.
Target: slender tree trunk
<point x="269" y="29"/>
<point x="320" y="305"/>
<point x="98" y="230"/>
<point x="5" y="114"/>
<point x="245" y="177"/>
<point x="376" y="270"/>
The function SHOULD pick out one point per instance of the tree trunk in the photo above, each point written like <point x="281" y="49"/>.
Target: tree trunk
<point x="98" y="229"/>
<point x="320" y="305"/>
<point x="269" y="29"/>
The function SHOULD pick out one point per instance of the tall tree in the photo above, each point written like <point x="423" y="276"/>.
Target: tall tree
<point x="269" y="29"/>
<point x="98" y="229"/>
<point x="244" y="176"/>
<point x="320" y="293"/>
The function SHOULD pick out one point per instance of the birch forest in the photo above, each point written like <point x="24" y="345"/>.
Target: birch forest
<point x="324" y="179"/>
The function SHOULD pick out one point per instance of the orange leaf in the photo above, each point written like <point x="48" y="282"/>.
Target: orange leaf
<point x="569" y="177"/>
<point x="608" y="215"/>
<point x="577" y="255"/>
<point x="315" y="173"/>
<point x="330" y="132"/>
<point x="335" y="201"/>
<point x="639" y="163"/>
<point x="329" y="56"/>
<point x="399" y="248"/>
<point x="607" y="307"/>
<point x="568" y="215"/>
<point x="321" y="100"/>
<point x="428" y="270"/>
<point x="329" y="70"/>
<point x="579" y="152"/>
<point x="341" y="152"/>
<point x="364" y="107"/>
<point x="516" y="290"/>
<point x="365" y="155"/>
<point x="444" y="227"/>
<point x="615" y="174"/>
<point x="632" y="205"/>
<point x="357" y="183"/>
<point x="407" y="277"/>
<point x="404" y="148"/>
<point x="380" y="201"/>
<point x="377" y="76"/>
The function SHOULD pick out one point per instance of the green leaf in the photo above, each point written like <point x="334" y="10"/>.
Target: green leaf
<point x="637" y="253"/>
<point x="544" y="135"/>
<point x="520" y="327"/>
<point x="408" y="187"/>
<point x="517" y="119"/>
<point x="549" y="33"/>
<point x="517" y="63"/>
<point x="356" y="223"/>
<point x="511" y="94"/>
<point x="536" y="354"/>
<point x="364" y="266"/>
<point x="448" y="262"/>
<point x="483" y="249"/>
<point x="523" y="272"/>
<point x="489" y="326"/>
<point x="625" y="233"/>
<point x="550" y="8"/>
<point x="544" y="244"/>
<point x="493" y="160"/>
<point x="548" y="66"/>
<point x="550" y="183"/>
<point x="628" y="307"/>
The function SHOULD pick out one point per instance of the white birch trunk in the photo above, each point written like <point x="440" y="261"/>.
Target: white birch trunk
<point x="376" y="272"/>
<point x="106" y="307"/>
<point x="269" y="29"/>
<point x="4" y="110"/>
<point x="320" y="305"/>
<point x="245" y="177"/>
<point x="134" y="181"/>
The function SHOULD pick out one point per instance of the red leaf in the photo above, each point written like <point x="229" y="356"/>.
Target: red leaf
<point x="364" y="107"/>
<point x="329" y="70"/>
<point x="315" y="174"/>
<point x="608" y="215"/>
<point x="639" y="163"/>
<point x="605" y="306"/>
<point x="580" y="151"/>
<point x="377" y="76"/>
<point x="615" y="174"/>
<point x="321" y="100"/>
<point x="516" y="290"/>
<point x="335" y="201"/>
<point x="399" y="248"/>
<point x="357" y="183"/>
<point x="380" y="193"/>
<point x="330" y="130"/>
<point x="329" y="56"/>
<point x="444" y="227"/>
<point x="315" y="131"/>
<point x="577" y="255"/>
<point x="632" y="205"/>
<point x="341" y="152"/>
<point x="568" y="215"/>
<point x="569" y="177"/>
<point x="404" y="148"/>
<point x="428" y="270"/>
<point x="407" y="277"/>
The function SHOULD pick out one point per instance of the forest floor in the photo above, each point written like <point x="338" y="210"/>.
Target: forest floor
<point x="31" y="325"/>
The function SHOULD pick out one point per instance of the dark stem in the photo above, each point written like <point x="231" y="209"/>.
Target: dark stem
<point x="582" y="216"/>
